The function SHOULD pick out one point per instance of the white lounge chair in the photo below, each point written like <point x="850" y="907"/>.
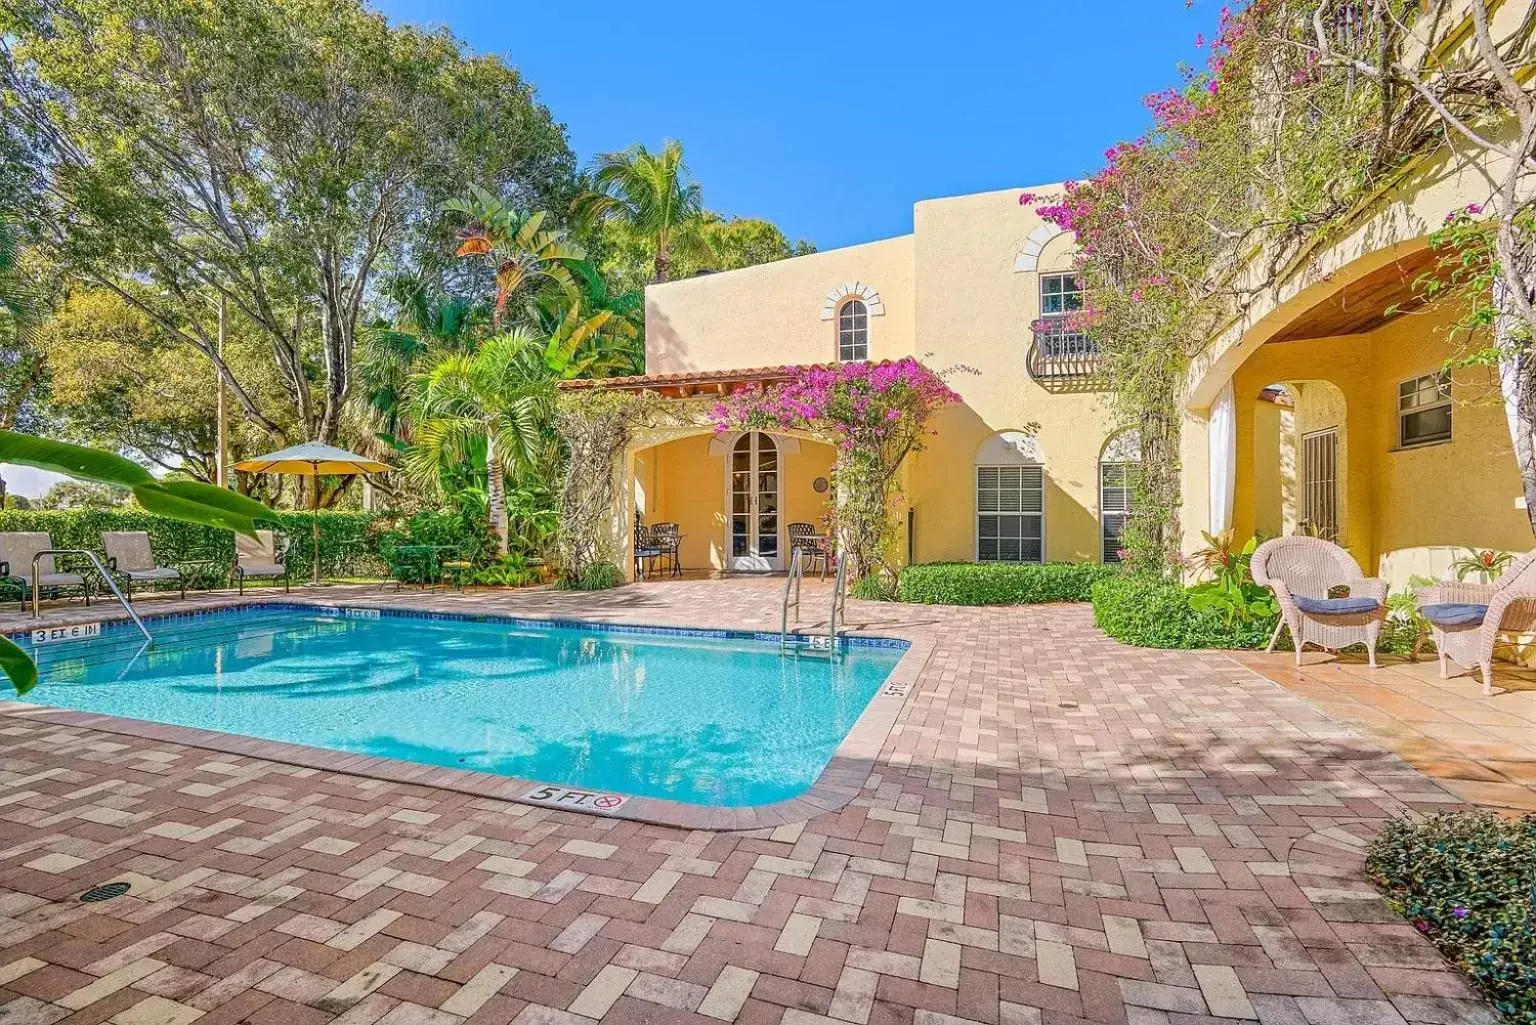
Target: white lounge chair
<point x="265" y="555"/>
<point x="1302" y="571"/>
<point x="17" y="551"/>
<point x="1466" y="619"/>
<point x="130" y="556"/>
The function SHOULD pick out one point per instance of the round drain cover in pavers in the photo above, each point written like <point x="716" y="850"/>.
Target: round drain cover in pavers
<point x="104" y="892"/>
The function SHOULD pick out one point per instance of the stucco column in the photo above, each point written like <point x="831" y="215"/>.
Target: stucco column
<point x="623" y="520"/>
<point x="1194" y="482"/>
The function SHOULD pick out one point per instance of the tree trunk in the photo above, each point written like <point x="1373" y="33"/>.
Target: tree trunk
<point x="1517" y="380"/>
<point x="663" y="260"/>
<point x="496" y="494"/>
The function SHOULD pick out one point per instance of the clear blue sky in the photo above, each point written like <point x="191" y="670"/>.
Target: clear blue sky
<point x="832" y="118"/>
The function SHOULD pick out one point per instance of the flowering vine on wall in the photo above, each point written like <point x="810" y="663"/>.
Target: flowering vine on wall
<point x="876" y="414"/>
<point x="1255" y="162"/>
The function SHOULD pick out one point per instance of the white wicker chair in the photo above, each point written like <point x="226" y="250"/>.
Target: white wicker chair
<point x="1466" y="619"/>
<point x="1301" y="571"/>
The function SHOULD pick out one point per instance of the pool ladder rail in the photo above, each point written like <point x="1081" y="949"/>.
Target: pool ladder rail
<point x="819" y="642"/>
<point x="101" y="571"/>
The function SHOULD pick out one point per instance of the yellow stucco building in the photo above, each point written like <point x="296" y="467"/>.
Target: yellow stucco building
<point x="1327" y="407"/>
<point x="1332" y="405"/>
<point x="1017" y="471"/>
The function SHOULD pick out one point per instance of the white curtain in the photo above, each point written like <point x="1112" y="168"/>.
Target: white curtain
<point x="1221" y="435"/>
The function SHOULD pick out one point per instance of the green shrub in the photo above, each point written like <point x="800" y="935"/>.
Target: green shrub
<point x="1152" y="613"/>
<point x="875" y="587"/>
<point x="349" y="541"/>
<point x="972" y="583"/>
<point x="506" y="571"/>
<point x="598" y="577"/>
<point x="1467" y="881"/>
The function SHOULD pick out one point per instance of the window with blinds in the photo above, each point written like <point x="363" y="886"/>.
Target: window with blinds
<point x="1114" y="507"/>
<point x="1010" y="513"/>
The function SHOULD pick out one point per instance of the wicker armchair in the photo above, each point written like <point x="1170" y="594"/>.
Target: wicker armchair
<point x="1466" y="619"/>
<point x="1302" y="571"/>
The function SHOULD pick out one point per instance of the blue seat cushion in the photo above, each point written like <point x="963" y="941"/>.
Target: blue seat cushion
<point x="1336" y="606"/>
<point x="1454" y="613"/>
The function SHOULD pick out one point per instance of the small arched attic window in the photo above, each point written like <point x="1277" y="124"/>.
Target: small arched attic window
<point x="850" y="306"/>
<point x="852" y="331"/>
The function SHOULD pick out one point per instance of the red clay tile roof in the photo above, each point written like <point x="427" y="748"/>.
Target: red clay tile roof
<point x="687" y="381"/>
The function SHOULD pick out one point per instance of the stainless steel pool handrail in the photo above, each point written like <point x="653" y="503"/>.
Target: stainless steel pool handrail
<point x="101" y="570"/>
<point x="793" y="579"/>
<point x="839" y="599"/>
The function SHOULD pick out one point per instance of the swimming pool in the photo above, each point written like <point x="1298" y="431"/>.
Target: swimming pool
<point x="703" y="717"/>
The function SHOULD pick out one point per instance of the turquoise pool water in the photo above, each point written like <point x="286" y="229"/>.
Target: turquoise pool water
<point x="717" y="720"/>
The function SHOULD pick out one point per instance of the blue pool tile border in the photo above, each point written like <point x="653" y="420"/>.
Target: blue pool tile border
<point x="797" y="640"/>
<point x="840" y="782"/>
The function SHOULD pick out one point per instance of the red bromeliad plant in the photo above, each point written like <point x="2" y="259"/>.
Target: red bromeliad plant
<point x="875" y="413"/>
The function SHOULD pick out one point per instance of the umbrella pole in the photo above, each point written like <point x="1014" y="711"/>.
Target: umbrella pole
<point x="314" y="545"/>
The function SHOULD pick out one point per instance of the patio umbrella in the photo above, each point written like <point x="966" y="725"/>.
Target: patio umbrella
<point x="312" y="459"/>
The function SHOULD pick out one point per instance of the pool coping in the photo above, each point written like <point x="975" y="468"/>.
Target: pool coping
<point x="840" y="781"/>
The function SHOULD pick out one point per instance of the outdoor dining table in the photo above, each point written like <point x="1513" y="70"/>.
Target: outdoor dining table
<point x="428" y="558"/>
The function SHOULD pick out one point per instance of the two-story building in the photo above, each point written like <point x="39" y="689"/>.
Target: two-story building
<point x="1332" y="407"/>
<point x="1024" y="469"/>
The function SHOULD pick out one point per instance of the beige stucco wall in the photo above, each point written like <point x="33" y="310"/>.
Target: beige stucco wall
<point x="771" y="314"/>
<point x="1402" y="510"/>
<point x="960" y="293"/>
<point x="684" y="482"/>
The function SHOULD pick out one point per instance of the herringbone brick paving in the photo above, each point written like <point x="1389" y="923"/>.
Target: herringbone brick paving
<point x="1058" y="829"/>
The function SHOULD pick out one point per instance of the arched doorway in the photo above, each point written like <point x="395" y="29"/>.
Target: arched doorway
<point x="754" y="489"/>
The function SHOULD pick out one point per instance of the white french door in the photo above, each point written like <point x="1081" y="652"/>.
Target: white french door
<point x="753" y="484"/>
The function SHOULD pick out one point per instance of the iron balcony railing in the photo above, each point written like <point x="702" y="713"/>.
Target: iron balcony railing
<point x="1063" y="357"/>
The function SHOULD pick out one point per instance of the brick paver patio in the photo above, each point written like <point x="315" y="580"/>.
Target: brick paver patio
<point x="1058" y="829"/>
<point x="1483" y="749"/>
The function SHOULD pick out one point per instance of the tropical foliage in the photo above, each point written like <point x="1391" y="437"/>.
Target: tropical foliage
<point x="654" y="197"/>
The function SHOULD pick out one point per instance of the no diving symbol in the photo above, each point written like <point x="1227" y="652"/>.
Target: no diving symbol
<point x="566" y="797"/>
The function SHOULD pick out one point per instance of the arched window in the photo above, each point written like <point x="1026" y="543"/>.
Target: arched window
<point x="853" y="331"/>
<point x="1120" y="456"/>
<point x="1010" y="499"/>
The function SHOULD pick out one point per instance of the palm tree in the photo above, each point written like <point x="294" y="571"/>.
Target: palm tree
<point x="523" y="252"/>
<point x="501" y="396"/>
<point x="652" y="195"/>
<point x="426" y="324"/>
<point x="604" y="325"/>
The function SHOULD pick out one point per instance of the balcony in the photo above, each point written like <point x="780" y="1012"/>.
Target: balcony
<point x="1063" y="360"/>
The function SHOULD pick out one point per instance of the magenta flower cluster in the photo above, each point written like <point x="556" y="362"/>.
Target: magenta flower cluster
<point x="863" y="405"/>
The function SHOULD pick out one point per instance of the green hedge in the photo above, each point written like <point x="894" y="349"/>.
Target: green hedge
<point x="993" y="583"/>
<point x="1153" y="613"/>
<point x="175" y="542"/>
<point x="1468" y="882"/>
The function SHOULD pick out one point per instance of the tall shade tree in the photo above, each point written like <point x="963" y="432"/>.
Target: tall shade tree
<point x="651" y="194"/>
<point x="499" y="398"/>
<point x="272" y="152"/>
<point x="22" y="373"/>
<point x="117" y="378"/>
